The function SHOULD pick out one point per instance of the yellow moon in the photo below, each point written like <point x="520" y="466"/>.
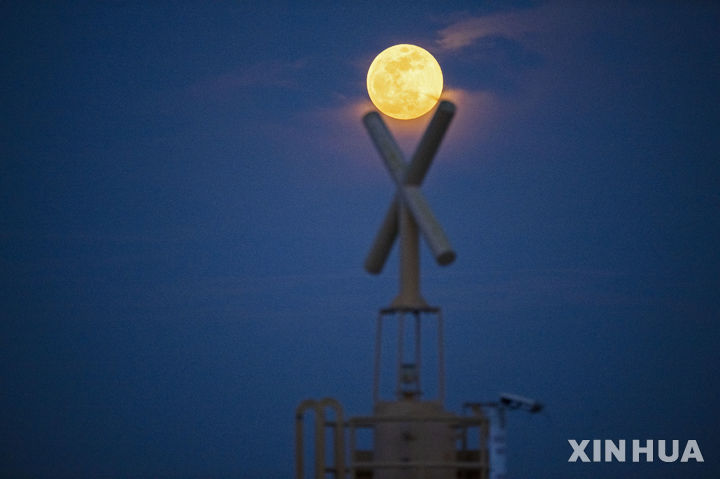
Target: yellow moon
<point x="404" y="81"/>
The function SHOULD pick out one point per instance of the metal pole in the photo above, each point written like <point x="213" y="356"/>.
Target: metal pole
<point x="441" y="359"/>
<point x="401" y="352"/>
<point x="418" y="355"/>
<point x="409" y="278"/>
<point x="429" y="225"/>
<point x="380" y="249"/>
<point x="352" y="450"/>
<point x="429" y="144"/>
<point x="299" y="466"/>
<point x="414" y="175"/>
<point x="410" y="195"/>
<point x="319" y="443"/>
<point x="378" y="347"/>
<point x="338" y="436"/>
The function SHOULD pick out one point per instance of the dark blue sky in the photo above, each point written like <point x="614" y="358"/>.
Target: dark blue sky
<point x="187" y="195"/>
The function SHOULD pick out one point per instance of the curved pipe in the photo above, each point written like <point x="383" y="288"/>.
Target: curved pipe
<point x="318" y="408"/>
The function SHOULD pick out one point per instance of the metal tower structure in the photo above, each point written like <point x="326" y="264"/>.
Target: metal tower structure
<point x="409" y="435"/>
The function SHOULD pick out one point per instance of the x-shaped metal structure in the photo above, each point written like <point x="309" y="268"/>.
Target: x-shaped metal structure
<point x="409" y="214"/>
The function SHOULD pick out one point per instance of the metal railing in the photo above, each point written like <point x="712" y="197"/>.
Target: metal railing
<point x="470" y="461"/>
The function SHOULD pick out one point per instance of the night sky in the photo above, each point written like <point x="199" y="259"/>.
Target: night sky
<point x="187" y="195"/>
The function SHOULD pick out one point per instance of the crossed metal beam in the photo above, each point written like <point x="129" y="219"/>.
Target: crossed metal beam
<point x="409" y="211"/>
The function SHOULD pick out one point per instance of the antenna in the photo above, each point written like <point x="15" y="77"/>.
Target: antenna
<point x="408" y="216"/>
<point x="409" y="436"/>
<point x="409" y="212"/>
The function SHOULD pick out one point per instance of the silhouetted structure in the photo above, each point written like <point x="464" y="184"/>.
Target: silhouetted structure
<point x="409" y="435"/>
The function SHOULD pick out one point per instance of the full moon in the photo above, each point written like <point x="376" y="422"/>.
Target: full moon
<point x="404" y="81"/>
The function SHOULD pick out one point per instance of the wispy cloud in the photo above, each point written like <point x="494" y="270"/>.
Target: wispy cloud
<point x="509" y="63"/>
<point x="470" y="30"/>
<point x="542" y="26"/>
